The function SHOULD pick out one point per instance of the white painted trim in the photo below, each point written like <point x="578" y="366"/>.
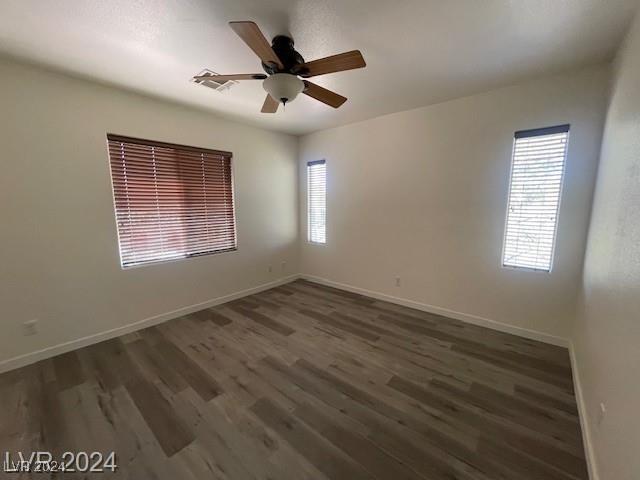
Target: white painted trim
<point x="32" y="357"/>
<point x="445" y="312"/>
<point x="582" y="412"/>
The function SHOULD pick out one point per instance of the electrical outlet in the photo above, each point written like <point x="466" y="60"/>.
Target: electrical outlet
<point x="270" y="268"/>
<point x="30" y="327"/>
<point x="602" y="411"/>
<point x="397" y="281"/>
<point x="284" y="266"/>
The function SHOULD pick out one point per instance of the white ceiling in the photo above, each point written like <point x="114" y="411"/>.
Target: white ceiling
<point x="418" y="52"/>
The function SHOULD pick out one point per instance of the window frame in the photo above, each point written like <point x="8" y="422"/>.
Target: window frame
<point x="161" y="144"/>
<point x="307" y="165"/>
<point x="536" y="132"/>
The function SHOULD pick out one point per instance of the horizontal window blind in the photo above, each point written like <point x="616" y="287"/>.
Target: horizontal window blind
<point x="316" y="201"/>
<point x="171" y="201"/>
<point x="534" y="197"/>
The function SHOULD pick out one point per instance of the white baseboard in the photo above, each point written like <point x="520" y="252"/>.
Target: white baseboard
<point x="32" y="357"/>
<point x="582" y="412"/>
<point x="445" y="312"/>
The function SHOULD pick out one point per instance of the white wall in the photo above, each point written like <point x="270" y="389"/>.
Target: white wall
<point x="422" y="195"/>
<point x="59" y="258"/>
<point x="607" y="331"/>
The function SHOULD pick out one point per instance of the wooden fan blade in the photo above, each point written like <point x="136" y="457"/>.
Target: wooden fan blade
<point x="323" y="95"/>
<point x="253" y="37"/>
<point x="335" y="63"/>
<point x="238" y="76"/>
<point x="270" y="105"/>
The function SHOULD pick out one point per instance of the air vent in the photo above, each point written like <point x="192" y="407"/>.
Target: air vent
<point x="219" y="86"/>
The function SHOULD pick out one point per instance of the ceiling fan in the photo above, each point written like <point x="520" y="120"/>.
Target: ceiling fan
<point x="284" y="67"/>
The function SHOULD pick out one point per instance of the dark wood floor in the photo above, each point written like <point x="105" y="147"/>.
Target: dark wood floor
<point x="305" y="382"/>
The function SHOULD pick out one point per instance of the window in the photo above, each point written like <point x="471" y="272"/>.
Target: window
<point x="317" y="201"/>
<point x="171" y="201"/>
<point x="534" y="197"/>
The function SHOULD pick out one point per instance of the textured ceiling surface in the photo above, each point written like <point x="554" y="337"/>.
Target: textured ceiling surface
<point x="418" y="52"/>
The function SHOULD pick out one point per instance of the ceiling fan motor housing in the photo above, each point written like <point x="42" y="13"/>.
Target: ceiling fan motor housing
<point x="290" y="58"/>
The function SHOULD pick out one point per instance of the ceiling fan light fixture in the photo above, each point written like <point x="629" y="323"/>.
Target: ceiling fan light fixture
<point x="283" y="87"/>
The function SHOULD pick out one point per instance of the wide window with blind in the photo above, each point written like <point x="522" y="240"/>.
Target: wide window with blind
<point x="537" y="173"/>
<point x="171" y="201"/>
<point x="317" y="201"/>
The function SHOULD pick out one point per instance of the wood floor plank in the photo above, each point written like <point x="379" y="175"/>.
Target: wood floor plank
<point x="156" y="365"/>
<point x="567" y="404"/>
<point x="524" y="443"/>
<point x="194" y="375"/>
<point x="170" y="431"/>
<point x="265" y="321"/>
<point x="362" y="450"/>
<point x="360" y="332"/>
<point x="459" y="443"/>
<point x="68" y="370"/>
<point x="326" y="458"/>
<point x="390" y="426"/>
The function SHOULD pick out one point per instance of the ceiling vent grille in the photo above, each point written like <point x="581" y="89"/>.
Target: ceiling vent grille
<point x="219" y="86"/>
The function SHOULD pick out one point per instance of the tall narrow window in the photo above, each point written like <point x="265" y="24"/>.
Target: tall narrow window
<point x="317" y="201"/>
<point x="171" y="201"/>
<point x="537" y="173"/>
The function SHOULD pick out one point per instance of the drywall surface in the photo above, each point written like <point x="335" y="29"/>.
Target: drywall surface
<point x="58" y="243"/>
<point x="422" y="195"/>
<point x="607" y="331"/>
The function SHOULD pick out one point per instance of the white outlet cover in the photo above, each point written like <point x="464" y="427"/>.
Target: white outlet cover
<point x="30" y="327"/>
<point x="601" y="413"/>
